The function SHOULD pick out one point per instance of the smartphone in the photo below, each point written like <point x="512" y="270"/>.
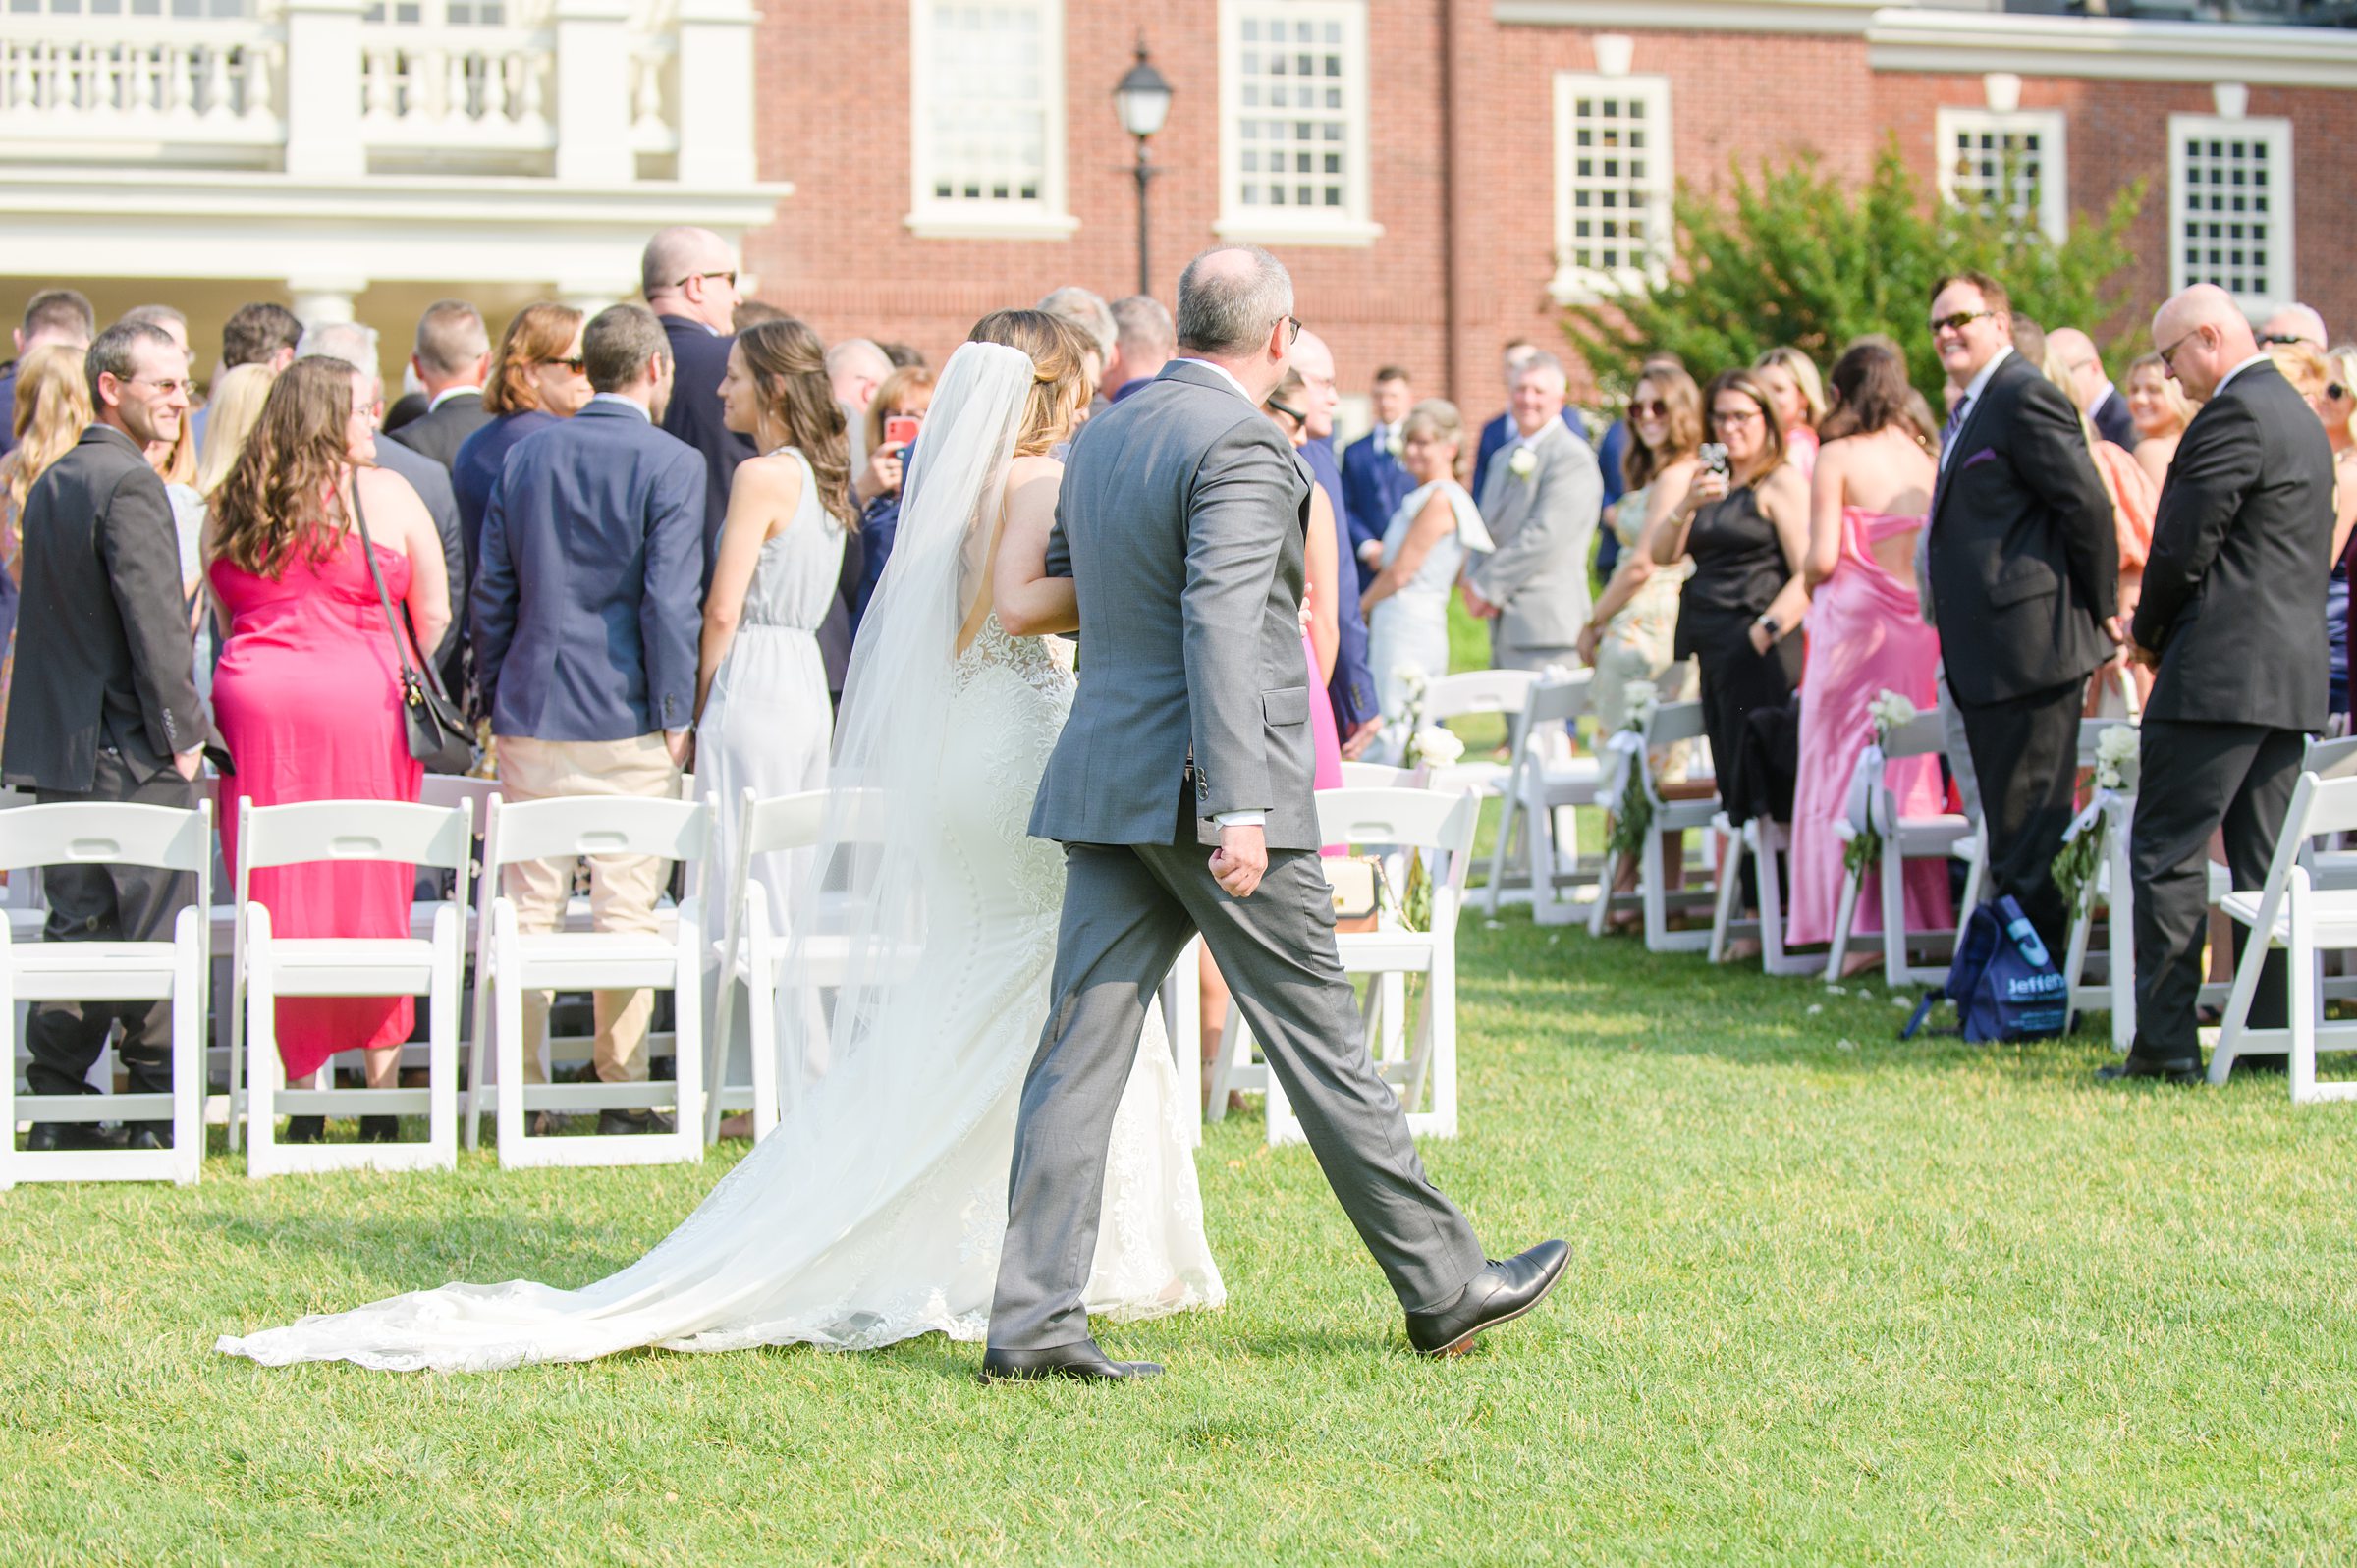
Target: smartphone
<point x="901" y="431"/>
<point x="1713" y="457"/>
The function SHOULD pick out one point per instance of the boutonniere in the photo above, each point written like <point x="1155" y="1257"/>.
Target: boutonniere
<point x="1394" y="446"/>
<point x="1524" y="463"/>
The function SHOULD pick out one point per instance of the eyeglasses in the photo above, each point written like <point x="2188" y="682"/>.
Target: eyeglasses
<point x="693" y="277"/>
<point x="1657" y="408"/>
<point x="572" y="364"/>
<point x="1960" y="321"/>
<point x="1294" y="334"/>
<point x="163" y="388"/>
<point x="1734" y="416"/>
<point x="2168" y="355"/>
<point x="1290" y="411"/>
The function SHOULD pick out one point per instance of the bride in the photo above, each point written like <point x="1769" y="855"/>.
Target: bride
<point x="875" y="1211"/>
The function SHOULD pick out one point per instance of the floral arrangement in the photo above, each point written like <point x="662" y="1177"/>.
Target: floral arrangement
<point x="1400" y="726"/>
<point x="1433" y="747"/>
<point x="1890" y="711"/>
<point x="1524" y="463"/>
<point x="2081" y="858"/>
<point x="1632" y="812"/>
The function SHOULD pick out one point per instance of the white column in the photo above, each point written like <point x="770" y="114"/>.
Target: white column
<point x="716" y="95"/>
<point x="593" y="92"/>
<point x="322" y="300"/>
<point x="323" y="89"/>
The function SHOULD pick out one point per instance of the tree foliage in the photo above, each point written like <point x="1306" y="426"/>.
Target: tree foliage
<point x="1796" y="255"/>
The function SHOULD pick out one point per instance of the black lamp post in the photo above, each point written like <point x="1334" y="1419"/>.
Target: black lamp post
<point x="1143" y="100"/>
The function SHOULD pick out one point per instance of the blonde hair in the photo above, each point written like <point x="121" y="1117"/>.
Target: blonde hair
<point x="890" y="394"/>
<point x="1060" y="353"/>
<point x="53" y="409"/>
<point x="2344" y="360"/>
<point x="2171" y="395"/>
<point x="1803" y="371"/>
<point x="236" y="406"/>
<point x="1436" y="420"/>
<point x="2303" y="365"/>
<point x="2055" y="371"/>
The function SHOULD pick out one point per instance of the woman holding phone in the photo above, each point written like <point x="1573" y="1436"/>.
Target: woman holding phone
<point x="892" y="422"/>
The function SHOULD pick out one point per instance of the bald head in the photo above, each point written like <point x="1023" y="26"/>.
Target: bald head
<point x="2202" y="334"/>
<point x="690" y="271"/>
<point x="2295" y="324"/>
<point x="1321" y="393"/>
<point x="857" y="367"/>
<point x="2076" y="352"/>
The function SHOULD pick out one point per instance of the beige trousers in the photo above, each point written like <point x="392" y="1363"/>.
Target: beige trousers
<point x="622" y="888"/>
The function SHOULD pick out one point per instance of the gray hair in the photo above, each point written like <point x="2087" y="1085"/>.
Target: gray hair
<point x="1227" y="308"/>
<point x="115" y="353"/>
<point x="1541" y="362"/>
<point x="1143" y="328"/>
<point x="451" y="335"/>
<point x="352" y="343"/>
<point x="617" y="344"/>
<point x="165" y="316"/>
<point x="1436" y="420"/>
<point x="865" y="353"/>
<point x="1086" y="309"/>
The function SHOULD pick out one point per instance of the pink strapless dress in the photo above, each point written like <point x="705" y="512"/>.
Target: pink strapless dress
<point x="308" y="695"/>
<point x="1326" y="738"/>
<point x="1866" y="634"/>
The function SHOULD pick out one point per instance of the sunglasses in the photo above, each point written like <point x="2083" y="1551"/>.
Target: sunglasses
<point x="2168" y="355"/>
<point x="1960" y="321"/>
<point x="1655" y="409"/>
<point x="2335" y="391"/>
<point x="1289" y="410"/>
<point x="2269" y="340"/>
<point x="572" y="364"/>
<point x="693" y="277"/>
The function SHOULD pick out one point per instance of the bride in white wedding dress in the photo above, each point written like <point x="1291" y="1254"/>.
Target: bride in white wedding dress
<point x="874" y="1212"/>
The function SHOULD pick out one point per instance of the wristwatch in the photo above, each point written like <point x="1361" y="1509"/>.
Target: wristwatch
<point x="1769" y="625"/>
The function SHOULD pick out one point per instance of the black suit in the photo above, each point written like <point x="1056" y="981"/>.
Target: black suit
<point x="700" y="358"/>
<point x="2234" y="604"/>
<point x="105" y="697"/>
<point x="441" y="430"/>
<point x="2023" y="569"/>
<point x="2112" y="419"/>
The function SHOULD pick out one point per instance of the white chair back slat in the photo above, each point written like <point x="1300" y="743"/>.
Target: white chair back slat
<point x="572" y="826"/>
<point x="1477" y="692"/>
<point x="450" y="791"/>
<point x="316" y="830"/>
<point x="2331" y="759"/>
<point x="1376" y="776"/>
<point x="1924" y="735"/>
<point x="1559" y="699"/>
<point x="1402" y="819"/>
<point x="101" y="832"/>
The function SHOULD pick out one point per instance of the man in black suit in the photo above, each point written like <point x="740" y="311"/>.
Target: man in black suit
<point x="2090" y="388"/>
<point x="2233" y="615"/>
<point x="689" y="278"/>
<point x="2019" y="568"/>
<point x="453" y="360"/>
<point x="54" y="315"/>
<point x="104" y="706"/>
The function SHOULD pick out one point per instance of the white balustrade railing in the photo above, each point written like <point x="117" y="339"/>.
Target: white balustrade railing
<point x="459" y="88"/>
<point x="91" y="81"/>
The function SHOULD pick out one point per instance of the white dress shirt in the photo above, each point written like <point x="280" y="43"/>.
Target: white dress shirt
<point x="2258" y="359"/>
<point x="1972" y="392"/>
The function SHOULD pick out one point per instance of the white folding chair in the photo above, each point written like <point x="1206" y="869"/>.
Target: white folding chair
<point x="1538" y="822"/>
<point x="265" y="966"/>
<point x="1475" y="691"/>
<point x="1769" y="845"/>
<point x="177" y="971"/>
<point x="2291" y="911"/>
<point x="1437" y="824"/>
<point x="1941" y="836"/>
<point x="1669" y="723"/>
<point x="1376" y="775"/>
<point x="509" y="961"/>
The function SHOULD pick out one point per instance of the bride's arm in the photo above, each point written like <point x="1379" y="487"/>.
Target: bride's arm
<point x="1029" y="602"/>
<point x="763" y="488"/>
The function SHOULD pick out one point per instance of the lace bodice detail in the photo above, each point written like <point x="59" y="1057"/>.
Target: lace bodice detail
<point x="1014" y="695"/>
<point x="793" y="581"/>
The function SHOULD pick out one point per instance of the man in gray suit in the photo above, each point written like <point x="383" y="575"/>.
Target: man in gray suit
<point x="1181" y="523"/>
<point x="1540" y="499"/>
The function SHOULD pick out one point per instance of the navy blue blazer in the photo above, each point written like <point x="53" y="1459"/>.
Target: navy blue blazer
<point x="1500" y="430"/>
<point x="1353" y="689"/>
<point x="1374" y="484"/>
<point x="474" y="473"/>
<point x="699" y="357"/>
<point x="586" y="602"/>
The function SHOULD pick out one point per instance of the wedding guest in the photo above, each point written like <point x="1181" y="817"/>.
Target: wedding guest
<point x="535" y="380"/>
<point x="1499" y="431"/>
<point x="1633" y="633"/>
<point x="260" y="334"/>
<point x="907" y="394"/>
<point x="1321" y="572"/>
<point x="1791" y="380"/>
<point x="1086" y="309"/>
<point x="2133" y="497"/>
<point x="1540" y="506"/>
<point x="1747" y="532"/>
<point x="1423" y="549"/>
<point x="2160" y="413"/>
<point x="753" y="312"/>
<point x="309" y="688"/>
<point x="53" y="316"/>
<point x="173" y="320"/>
<point x="1144" y="342"/>
<point x="1351" y="683"/>
<point x="2232" y="617"/>
<point x="902" y="355"/>
<point x="452" y="361"/>
<point x="106" y="709"/>
<point x="1610" y="454"/>
<point x="1374" y="483"/>
<point x="52" y="410"/>
<point x="585" y="628"/>
<point x="237" y="399"/>
<point x="2019" y="568"/>
<point x="2090" y="388"/>
<point x="1867" y="502"/>
<point x="2294" y="323"/>
<point x="2311" y="373"/>
<point x="856" y="370"/>
<point x="688" y="276"/>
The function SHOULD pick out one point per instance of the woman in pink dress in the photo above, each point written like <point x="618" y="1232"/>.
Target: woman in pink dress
<point x="1866" y="635"/>
<point x="307" y="693"/>
<point x="1790" y="378"/>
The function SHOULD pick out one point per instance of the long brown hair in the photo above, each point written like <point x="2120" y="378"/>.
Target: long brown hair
<point x="1870" y="391"/>
<point x="788" y="366"/>
<point x="539" y="332"/>
<point x="1745" y="385"/>
<point x="1060" y="355"/>
<point x="1639" y="463"/>
<point x="53" y="408"/>
<point x="286" y="489"/>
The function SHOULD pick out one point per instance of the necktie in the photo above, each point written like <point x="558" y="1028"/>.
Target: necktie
<point x="1949" y="431"/>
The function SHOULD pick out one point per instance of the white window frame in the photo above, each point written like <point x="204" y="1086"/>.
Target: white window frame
<point x="1574" y="282"/>
<point x="1047" y="218"/>
<point x="1354" y="223"/>
<point x="2052" y="128"/>
<point x="2278" y="282"/>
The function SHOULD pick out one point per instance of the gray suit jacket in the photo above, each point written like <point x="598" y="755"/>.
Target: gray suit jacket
<point x="1182" y="522"/>
<point x="1543" y="527"/>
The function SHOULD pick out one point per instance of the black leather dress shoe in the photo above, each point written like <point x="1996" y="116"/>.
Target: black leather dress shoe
<point x="1504" y="1291"/>
<point x="51" y="1137"/>
<point x="1080" y="1358"/>
<point x="380" y="1129"/>
<point x="2182" y="1070"/>
<point x="631" y="1123"/>
<point x="148" y="1135"/>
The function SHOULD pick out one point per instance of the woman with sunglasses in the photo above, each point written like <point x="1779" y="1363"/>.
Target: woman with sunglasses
<point x="2321" y="378"/>
<point x="537" y="379"/>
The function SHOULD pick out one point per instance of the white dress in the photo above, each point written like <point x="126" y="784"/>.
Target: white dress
<point x="1411" y="626"/>
<point x="876" y="1210"/>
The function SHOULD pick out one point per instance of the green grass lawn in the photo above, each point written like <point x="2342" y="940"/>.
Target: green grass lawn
<point x="1833" y="1299"/>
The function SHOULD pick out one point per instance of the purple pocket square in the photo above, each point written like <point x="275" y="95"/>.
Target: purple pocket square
<point x="1985" y="455"/>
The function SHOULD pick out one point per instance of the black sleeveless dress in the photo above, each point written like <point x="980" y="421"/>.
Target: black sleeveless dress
<point x="1740" y="568"/>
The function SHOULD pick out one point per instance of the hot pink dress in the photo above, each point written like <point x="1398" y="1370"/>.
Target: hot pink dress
<point x="1325" y="736"/>
<point x="308" y="695"/>
<point x="1866" y="635"/>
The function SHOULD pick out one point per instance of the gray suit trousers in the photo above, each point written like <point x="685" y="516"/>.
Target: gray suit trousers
<point x="1128" y="910"/>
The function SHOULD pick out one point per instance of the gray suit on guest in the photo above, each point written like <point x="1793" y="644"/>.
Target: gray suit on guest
<point x="1545" y="527"/>
<point x="1182" y="522"/>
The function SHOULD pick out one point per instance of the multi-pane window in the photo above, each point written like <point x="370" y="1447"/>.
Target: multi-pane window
<point x="2230" y="205"/>
<point x="1293" y="85"/>
<point x="1612" y="182"/>
<point x="988" y="110"/>
<point x="2013" y="163"/>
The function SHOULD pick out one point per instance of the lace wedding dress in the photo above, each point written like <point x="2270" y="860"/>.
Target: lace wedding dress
<point x="874" y="1212"/>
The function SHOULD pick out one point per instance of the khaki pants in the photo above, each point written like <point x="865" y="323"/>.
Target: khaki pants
<point x="622" y="888"/>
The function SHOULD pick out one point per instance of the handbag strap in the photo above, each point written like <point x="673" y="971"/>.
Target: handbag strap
<point x="431" y="677"/>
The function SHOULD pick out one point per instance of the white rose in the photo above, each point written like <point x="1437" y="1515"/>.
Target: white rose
<point x="1524" y="463"/>
<point x="1436" y="747"/>
<point x="1410" y="676"/>
<point x="1889" y="710"/>
<point x="1394" y="446"/>
<point x="2118" y="755"/>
